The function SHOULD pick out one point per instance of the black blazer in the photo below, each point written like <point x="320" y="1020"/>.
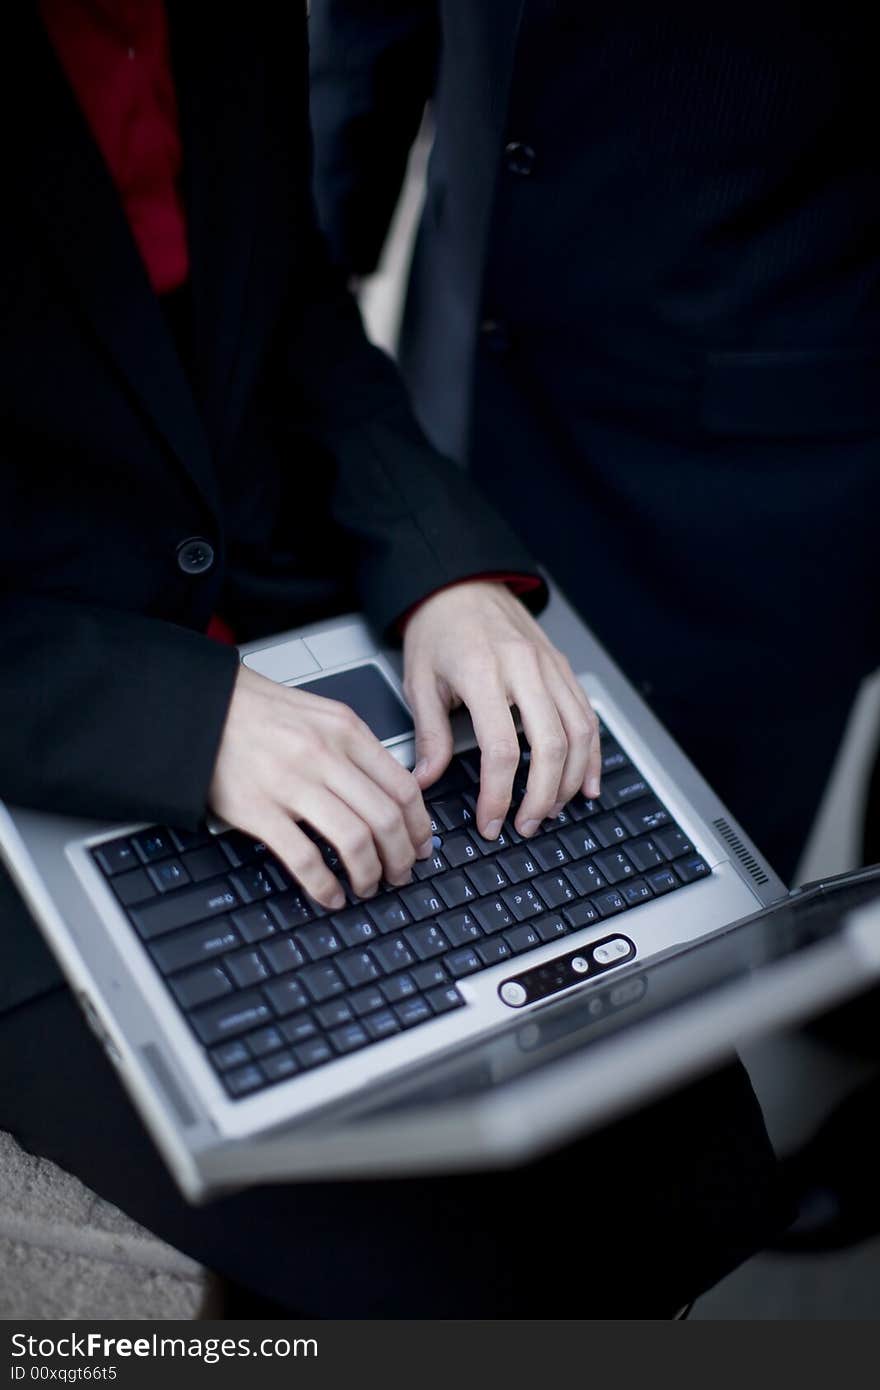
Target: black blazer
<point x="290" y="453"/>
<point x="650" y="247"/>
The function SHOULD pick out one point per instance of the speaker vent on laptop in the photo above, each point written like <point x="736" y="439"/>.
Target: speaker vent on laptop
<point x="745" y="857"/>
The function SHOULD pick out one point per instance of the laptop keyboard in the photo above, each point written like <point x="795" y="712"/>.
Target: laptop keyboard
<point x="273" y="985"/>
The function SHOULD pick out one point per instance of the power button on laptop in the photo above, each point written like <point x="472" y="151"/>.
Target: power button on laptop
<point x="513" y="994"/>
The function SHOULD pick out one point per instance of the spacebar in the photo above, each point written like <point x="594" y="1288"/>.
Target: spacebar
<point x="184" y="908"/>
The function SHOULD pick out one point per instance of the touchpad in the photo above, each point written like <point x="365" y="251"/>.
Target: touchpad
<point x="370" y="696"/>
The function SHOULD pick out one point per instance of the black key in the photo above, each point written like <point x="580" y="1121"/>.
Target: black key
<point x="636" y="891"/>
<point x="460" y="849"/>
<point x="393" y="954"/>
<point x="493" y="950"/>
<point x="455" y="889"/>
<point x="551" y="927"/>
<point x="290" y="910"/>
<point x="244" y="1079"/>
<point x="504" y="841"/>
<point x="609" y="830"/>
<point x="579" y="841"/>
<point x="672" y="842"/>
<point x="200" y="986"/>
<point x="549" y="852"/>
<point x="321" y="981"/>
<point x="427" y="868"/>
<point x="454" y="813"/>
<point x="191" y="839"/>
<point x="388" y="913"/>
<point x="265" y="1040"/>
<point x="421" y="901"/>
<point x="442" y="1001"/>
<point x="381" y="1025"/>
<point x="236" y="1015"/>
<point x="286" y="996"/>
<point x="456" y="778"/>
<point x="334" y="1014"/>
<point x="413" y="1011"/>
<point x="319" y="940"/>
<point x="614" y="865"/>
<point x="558" y="822"/>
<point x="461" y="927"/>
<point x="645" y="854"/>
<point x="204" y="863"/>
<point x="662" y="880"/>
<point x="283" y="955"/>
<point x="519" y="864"/>
<point x="255" y="924"/>
<point x="355" y="926"/>
<point x="313" y="1053"/>
<point x="582" y="914"/>
<point x="493" y="915"/>
<point x="523" y="902"/>
<point x="610" y="902"/>
<point x="427" y="940"/>
<point x="153" y="844"/>
<point x="116" y="856"/>
<point x="349" y="1038"/>
<point x="625" y="786"/>
<point x="298" y="1029"/>
<point x="247" y="968"/>
<point x="195" y="945"/>
<point x="184" y="908"/>
<point x="231" y="1054"/>
<point x="644" y="815"/>
<point x="463" y="962"/>
<point x="586" y="877"/>
<point x="613" y="757"/>
<point x="133" y="887"/>
<point x="358" y="968"/>
<point x="430" y="974"/>
<point x="255" y="881"/>
<point x="366" y="1000"/>
<point x="240" y="848"/>
<point x="280" y="1065"/>
<point x="555" y="889"/>
<point x="400" y="987"/>
<point x="487" y="876"/>
<point x="691" y="868"/>
<point x="523" y="938"/>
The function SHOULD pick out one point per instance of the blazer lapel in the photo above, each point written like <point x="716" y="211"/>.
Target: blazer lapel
<point x="79" y="214"/>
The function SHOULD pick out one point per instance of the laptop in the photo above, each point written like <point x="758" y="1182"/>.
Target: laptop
<point x="513" y="995"/>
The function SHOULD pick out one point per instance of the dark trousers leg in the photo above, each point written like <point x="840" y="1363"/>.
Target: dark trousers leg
<point x="652" y="1212"/>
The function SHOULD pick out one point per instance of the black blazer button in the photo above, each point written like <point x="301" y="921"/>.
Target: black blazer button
<point x="195" y="556"/>
<point x="519" y="158"/>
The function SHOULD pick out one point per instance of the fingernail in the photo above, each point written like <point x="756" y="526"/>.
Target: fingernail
<point x="338" y="900"/>
<point x="426" y="848"/>
<point x="555" y="810"/>
<point x="529" y="827"/>
<point x="593" y="788"/>
<point x="493" y="830"/>
<point x="420" y="767"/>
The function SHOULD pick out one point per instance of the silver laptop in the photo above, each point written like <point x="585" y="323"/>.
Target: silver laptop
<point x="513" y="995"/>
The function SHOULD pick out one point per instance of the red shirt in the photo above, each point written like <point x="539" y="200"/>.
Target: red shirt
<point x="117" y="60"/>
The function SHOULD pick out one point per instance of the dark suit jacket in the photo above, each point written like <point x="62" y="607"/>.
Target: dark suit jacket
<point x="291" y="452"/>
<point x="650" y="249"/>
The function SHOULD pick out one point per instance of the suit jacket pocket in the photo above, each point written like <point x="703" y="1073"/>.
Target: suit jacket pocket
<point x="809" y="394"/>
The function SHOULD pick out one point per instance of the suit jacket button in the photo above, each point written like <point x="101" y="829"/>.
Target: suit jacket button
<point x="519" y="158"/>
<point x="496" y="335"/>
<point x="195" y="556"/>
